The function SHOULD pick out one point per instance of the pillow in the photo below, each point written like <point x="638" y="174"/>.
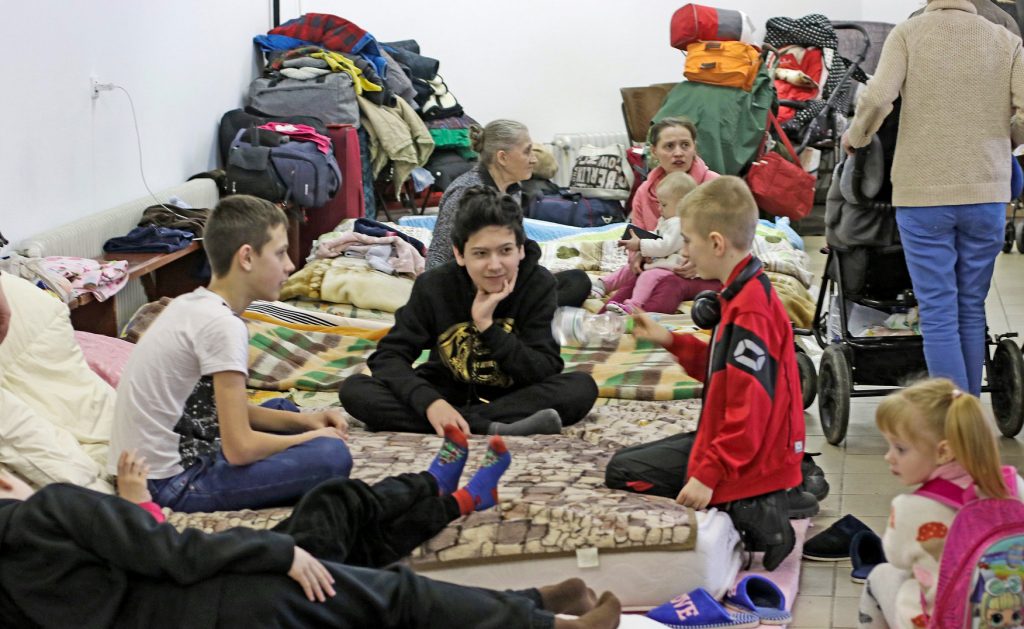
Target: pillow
<point x="105" y="355"/>
<point x="55" y="413"/>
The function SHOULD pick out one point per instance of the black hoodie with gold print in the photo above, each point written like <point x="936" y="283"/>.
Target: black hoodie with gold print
<point x="515" y="351"/>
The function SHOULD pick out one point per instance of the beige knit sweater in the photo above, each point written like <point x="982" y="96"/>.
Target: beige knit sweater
<point x="962" y="80"/>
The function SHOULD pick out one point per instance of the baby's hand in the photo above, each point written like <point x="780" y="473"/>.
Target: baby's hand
<point x="633" y="244"/>
<point x="132" y="474"/>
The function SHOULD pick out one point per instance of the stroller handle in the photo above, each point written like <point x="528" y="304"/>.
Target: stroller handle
<point x="865" y="46"/>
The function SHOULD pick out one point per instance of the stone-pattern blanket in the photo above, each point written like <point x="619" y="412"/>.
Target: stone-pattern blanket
<point x="553" y="499"/>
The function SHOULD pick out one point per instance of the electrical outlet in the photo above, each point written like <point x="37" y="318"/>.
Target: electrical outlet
<point x="98" y="87"/>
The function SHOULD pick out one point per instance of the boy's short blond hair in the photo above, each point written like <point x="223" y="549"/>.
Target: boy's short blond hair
<point x="675" y="186"/>
<point x="722" y="205"/>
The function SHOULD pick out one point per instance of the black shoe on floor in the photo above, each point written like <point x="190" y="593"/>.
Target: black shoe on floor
<point x="833" y="544"/>
<point x="763" y="524"/>
<point x="814" y="481"/>
<point x="801" y="504"/>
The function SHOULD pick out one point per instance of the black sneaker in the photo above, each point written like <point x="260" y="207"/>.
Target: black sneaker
<point x="801" y="504"/>
<point x="763" y="525"/>
<point x="814" y="481"/>
<point x="833" y="544"/>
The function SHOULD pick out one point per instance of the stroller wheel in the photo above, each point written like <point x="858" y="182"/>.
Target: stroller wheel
<point x="1007" y="381"/>
<point x="1008" y="237"/>
<point x="835" y="383"/>
<point x="808" y="378"/>
<point x="1020" y="237"/>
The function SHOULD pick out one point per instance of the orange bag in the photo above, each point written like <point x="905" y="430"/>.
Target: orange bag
<point x="725" y="63"/>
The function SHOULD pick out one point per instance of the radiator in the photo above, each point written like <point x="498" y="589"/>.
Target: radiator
<point x="566" y="146"/>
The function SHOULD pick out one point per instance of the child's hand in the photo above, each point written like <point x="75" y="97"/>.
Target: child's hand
<point x="314" y="578"/>
<point x="440" y="414"/>
<point x="633" y="244"/>
<point x="332" y="418"/>
<point x="484" y="303"/>
<point x="646" y="328"/>
<point x="132" y="474"/>
<point x="695" y="495"/>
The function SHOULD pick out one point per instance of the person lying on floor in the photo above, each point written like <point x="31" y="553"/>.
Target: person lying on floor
<point x="76" y="557"/>
<point x="181" y="401"/>
<point x="494" y="367"/>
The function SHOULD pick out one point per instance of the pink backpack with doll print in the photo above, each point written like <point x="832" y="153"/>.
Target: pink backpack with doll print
<point x="982" y="567"/>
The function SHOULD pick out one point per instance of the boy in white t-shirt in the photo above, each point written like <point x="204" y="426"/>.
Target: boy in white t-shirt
<point x="182" y="404"/>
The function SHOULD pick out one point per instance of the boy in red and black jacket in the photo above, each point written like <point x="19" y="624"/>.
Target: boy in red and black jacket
<point x="750" y="440"/>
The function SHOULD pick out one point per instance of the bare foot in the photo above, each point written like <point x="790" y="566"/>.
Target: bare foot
<point x="604" y="616"/>
<point x="571" y="596"/>
<point x="131" y="478"/>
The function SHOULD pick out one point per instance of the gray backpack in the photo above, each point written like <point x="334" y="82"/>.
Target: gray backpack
<point x="331" y="97"/>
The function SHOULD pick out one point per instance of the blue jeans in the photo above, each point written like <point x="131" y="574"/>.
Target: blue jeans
<point x="213" y="484"/>
<point x="951" y="251"/>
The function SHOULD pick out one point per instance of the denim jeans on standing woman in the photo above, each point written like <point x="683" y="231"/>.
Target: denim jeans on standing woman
<point x="951" y="251"/>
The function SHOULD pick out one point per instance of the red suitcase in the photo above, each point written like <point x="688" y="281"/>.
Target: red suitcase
<point x="349" y="201"/>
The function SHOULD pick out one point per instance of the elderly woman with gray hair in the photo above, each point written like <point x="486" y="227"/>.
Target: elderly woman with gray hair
<point x="506" y="158"/>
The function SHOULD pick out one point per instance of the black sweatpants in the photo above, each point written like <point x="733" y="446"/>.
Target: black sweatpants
<point x="657" y="468"/>
<point x="366" y="597"/>
<point x="347" y="521"/>
<point x="372" y="402"/>
<point x="356" y="529"/>
<point x="572" y="287"/>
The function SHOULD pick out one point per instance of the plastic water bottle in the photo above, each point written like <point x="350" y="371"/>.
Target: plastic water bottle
<point x="581" y="328"/>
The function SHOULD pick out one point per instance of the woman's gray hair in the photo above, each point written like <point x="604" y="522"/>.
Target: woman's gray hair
<point x="498" y="135"/>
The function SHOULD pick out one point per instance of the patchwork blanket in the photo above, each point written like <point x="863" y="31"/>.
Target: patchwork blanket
<point x="632" y="370"/>
<point x="284" y="355"/>
<point x="552" y="499"/>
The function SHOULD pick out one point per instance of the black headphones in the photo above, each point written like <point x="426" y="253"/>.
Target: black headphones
<point x="707" y="305"/>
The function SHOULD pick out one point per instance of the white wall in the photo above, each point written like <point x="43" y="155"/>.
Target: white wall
<point x="556" y="65"/>
<point x="64" y="155"/>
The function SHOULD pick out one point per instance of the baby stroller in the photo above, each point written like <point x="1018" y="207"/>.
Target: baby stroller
<point x="814" y="82"/>
<point x="866" y="268"/>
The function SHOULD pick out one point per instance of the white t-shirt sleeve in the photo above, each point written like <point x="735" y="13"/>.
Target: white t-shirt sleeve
<point x="223" y="345"/>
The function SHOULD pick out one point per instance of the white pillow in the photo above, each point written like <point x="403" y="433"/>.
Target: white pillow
<point x="55" y="413"/>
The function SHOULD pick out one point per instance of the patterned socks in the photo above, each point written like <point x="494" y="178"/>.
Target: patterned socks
<point x="447" y="465"/>
<point x="482" y="490"/>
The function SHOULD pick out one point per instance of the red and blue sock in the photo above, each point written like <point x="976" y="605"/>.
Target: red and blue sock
<point x="451" y="458"/>
<point x="481" y="492"/>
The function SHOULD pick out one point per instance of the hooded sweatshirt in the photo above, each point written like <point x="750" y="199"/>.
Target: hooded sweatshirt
<point x="516" y="350"/>
<point x="73" y="557"/>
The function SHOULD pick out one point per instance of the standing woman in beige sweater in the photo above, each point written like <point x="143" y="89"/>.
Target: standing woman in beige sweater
<point x="961" y="78"/>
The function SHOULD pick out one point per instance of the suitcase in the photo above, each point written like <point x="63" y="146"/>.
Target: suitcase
<point x="349" y="202"/>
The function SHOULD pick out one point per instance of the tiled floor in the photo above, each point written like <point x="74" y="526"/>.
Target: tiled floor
<point x="861" y="483"/>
